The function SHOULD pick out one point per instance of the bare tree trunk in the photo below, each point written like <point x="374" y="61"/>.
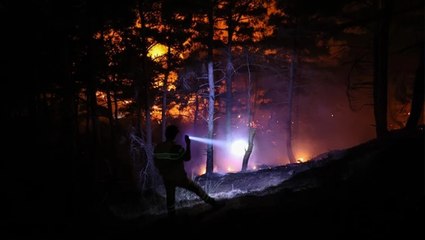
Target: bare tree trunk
<point x="138" y="109"/>
<point x="164" y="108"/>
<point x="112" y="133"/>
<point x="211" y="99"/>
<point x="110" y="117"/>
<point x="292" y="70"/>
<point x="146" y="174"/>
<point x="92" y="104"/>
<point x="148" y="121"/>
<point x="418" y="95"/>
<point x="164" y="94"/>
<point x="195" y="117"/>
<point x="229" y="97"/>
<point x="231" y="26"/>
<point x="141" y="80"/>
<point x="115" y="102"/>
<point x="149" y="171"/>
<point x="249" y="149"/>
<point x="380" y="83"/>
<point x="110" y="110"/>
<point x="251" y="129"/>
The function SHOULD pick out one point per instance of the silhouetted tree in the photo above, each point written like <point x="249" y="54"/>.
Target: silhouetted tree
<point x="418" y="95"/>
<point x="251" y="127"/>
<point x="380" y="83"/>
<point x="176" y="21"/>
<point x="236" y="16"/>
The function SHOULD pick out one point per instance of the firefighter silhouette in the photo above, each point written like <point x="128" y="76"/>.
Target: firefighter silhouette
<point x="169" y="159"/>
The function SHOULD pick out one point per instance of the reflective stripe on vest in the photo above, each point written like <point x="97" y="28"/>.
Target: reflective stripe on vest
<point x="169" y="156"/>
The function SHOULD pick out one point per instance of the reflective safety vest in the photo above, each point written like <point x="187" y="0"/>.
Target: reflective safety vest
<point x="168" y="160"/>
<point x="170" y="155"/>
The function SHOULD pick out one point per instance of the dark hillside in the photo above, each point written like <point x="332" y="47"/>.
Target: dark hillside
<point x="374" y="189"/>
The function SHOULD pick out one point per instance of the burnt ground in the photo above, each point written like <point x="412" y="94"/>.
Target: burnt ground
<point x="375" y="189"/>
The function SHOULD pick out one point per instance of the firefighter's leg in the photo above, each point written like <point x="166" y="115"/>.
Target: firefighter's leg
<point x="170" y="190"/>
<point x="192" y="186"/>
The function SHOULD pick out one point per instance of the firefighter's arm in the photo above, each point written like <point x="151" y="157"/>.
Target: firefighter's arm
<point x="187" y="154"/>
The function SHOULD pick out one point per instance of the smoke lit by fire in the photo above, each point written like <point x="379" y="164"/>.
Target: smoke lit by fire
<point x="322" y="118"/>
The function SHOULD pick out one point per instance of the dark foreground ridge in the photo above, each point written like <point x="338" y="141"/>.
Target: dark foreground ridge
<point x="374" y="189"/>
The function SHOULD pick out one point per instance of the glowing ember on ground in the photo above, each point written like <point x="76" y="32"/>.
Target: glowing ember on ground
<point x="302" y="155"/>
